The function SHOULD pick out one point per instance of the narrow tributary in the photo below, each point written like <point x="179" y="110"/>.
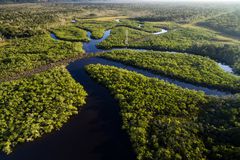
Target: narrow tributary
<point x="95" y="133"/>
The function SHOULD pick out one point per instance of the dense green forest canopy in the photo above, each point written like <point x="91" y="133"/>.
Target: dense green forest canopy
<point x="25" y="20"/>
<point x="28" y="19"/>
<point x="24" y="54"/>
<point x="97" y="28"/>
<point x="178" y="12"/>
<point x="226" y="23"/>
<point x="167" y="122"/>
<point x="190" y="40"/>
<point x="70" y="33"/>
<point x="192" y="68"/>
<point x="34" y="106"/>
<point x="164" y="121"/>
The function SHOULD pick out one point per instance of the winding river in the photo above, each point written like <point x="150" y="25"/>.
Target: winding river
<point x="95" y="133"/>
<point x="161" y="32"/>
<point x="91" y="47"/>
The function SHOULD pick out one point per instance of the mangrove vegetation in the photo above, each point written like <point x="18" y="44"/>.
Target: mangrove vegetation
<point x="168" y="122"/>
<point x="191" y="68"/>
<point x="34" y="106"/>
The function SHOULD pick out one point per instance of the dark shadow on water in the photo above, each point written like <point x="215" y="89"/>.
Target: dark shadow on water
<point x="206" y="90"/>
<point x="94" y="134"/>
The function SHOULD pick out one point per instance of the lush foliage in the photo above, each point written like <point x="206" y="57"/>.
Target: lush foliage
<point x="180" y="39"/>
<point x="22" y="21"/>
<point x="97" y="28"/>
<point x="37" y="105"/>
<point x="192" y="68"/>
<point x="167" y="122"/>
<point x="122" y="37"/>
<point x="221" y="127"/>
<point x="164" y="121"/>
<point x="70" y="33"/>
<point x="143" y="26"/>
<point x="176" y="12"/>
<point x="227" y="23"/>
<point x="144" y="100"/>
<point x="177" y="39"/>
<point x="226" y="53"/>
<point x="25" y="20"/>
<point x="20" y="55"/>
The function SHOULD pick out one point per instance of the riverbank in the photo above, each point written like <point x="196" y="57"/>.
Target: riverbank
<point x="41" y="68"/>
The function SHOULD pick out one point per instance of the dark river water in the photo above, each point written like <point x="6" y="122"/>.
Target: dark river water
<point x="207" y="91"/>
<point x="95" y="133"/>
<point x="54" y="36"/>
<point x="91" y="47"/>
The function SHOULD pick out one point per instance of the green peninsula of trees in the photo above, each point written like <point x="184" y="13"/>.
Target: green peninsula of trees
<point x="97" y="28"/>
<point x="168" y="122"/>
<point x="191" y="68"/>
<point x="23" y="54"/>
<point x="70" y="33"/>
<point x="122" y="37"/>
<point x="226" y="23"/>
<point x="37" y="105"/>
<point x="180" y="40"/>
